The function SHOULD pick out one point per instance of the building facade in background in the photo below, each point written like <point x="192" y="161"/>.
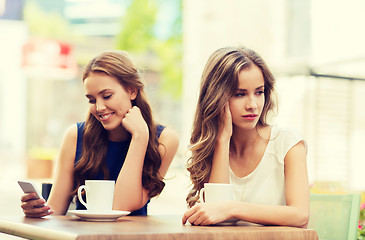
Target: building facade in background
<point x="317" y="58"/>
<point x="13" y="34"/>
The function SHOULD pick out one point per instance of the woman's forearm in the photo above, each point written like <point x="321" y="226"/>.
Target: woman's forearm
<point x="220" y="163"/>
<point x="129" y="193"/>
<point x="270" y="215"/>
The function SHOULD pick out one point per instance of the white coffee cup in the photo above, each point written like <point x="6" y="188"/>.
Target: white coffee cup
<point x="217" y="192"/>
<point x="99" y="195"/>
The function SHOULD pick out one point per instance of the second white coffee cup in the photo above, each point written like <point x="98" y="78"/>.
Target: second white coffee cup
<point x="99" y="195"/>
<point x="217" y="192"/>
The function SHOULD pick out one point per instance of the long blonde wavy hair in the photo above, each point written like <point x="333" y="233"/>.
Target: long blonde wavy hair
<point x="219" y="83"/>
<point x="95" y="139"/>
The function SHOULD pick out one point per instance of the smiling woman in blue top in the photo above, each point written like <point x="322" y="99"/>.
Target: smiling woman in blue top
<point x="119" y="140"/>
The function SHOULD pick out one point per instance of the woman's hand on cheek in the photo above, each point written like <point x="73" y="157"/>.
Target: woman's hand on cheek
<point x="225" y="126"/>
<point x="134" y="123"/>
<point x="206" y="214"/>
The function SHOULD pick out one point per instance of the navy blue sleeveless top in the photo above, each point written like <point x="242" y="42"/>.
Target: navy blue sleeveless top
<point x="115" y="157"/>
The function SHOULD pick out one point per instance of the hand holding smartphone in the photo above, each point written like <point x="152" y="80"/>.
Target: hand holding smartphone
<point x="29" y="187"/>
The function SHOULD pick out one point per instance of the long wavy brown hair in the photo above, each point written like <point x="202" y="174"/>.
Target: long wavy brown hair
<point x="219" y="83"/>
<point x="95" y="138"/>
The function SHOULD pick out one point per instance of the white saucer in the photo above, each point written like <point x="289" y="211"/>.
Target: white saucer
<point x="99" y="217"/>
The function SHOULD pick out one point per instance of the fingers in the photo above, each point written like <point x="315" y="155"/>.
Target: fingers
<point x="38" y="212"/>
<point x="195" y="215"/>
<point x="134" y="122"/>
<point x="204" y="214"/>
<point x="226" y="107"/>
<point x="198" y="220"/>
<point x="189" y="213"/>
<point x="206" y="222"/>
<point x="35" y="207"/>
<point x="225" y="124"/>
<point x="39" y="215"/>
<point x="133" y="110"/>
<point x="227" y="111"/>
<point x="131" y="116"/>
<point x="33" y="203"/>
<point x="28" y="196"/>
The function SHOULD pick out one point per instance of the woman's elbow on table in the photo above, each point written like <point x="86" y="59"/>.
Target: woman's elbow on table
<point x="302" y="219"/>
<point x="130" y="204"/>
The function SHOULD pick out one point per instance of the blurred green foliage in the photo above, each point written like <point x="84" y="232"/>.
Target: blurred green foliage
<point x="137" y="27"/>
<point x="138" y="35"/>
<point x="45" y="24"/>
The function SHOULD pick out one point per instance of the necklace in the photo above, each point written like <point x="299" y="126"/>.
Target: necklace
<point x="243" y="181"/>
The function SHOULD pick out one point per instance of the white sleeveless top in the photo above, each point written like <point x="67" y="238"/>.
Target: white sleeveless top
<point x="266" y="184"/>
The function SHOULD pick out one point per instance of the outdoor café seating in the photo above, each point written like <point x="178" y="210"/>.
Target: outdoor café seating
<point x="335" y="216"/>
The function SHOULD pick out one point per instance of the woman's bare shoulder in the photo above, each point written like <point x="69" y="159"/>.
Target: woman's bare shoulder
<point x="169" y="136"/>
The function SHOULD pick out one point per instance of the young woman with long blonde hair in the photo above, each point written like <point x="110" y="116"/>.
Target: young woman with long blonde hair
<point x="118" y="141"/>
<point x="232" y="142"/>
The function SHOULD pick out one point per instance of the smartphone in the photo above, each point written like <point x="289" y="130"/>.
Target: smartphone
<point x="29" y="187"/>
